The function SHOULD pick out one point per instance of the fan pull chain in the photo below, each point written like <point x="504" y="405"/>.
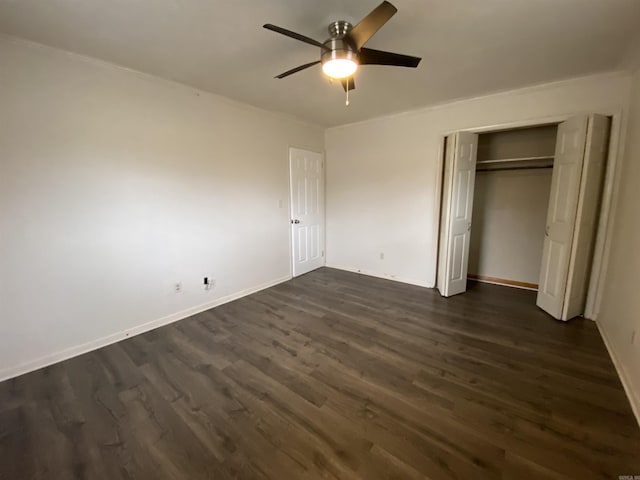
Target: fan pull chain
<point x="347" y="102"/>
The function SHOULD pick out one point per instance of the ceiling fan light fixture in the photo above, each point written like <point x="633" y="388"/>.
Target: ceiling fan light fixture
<point x="344" y="51"/>
<point x="339" y="58"/>
<point x="339" y="67"/>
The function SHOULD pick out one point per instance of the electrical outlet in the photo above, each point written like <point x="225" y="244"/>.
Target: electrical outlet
<point x="381" y="255"/>
<point x="178" y="287"/>
<point x="209" y="283"/>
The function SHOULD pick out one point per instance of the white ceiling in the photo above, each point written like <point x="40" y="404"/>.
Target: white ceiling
<point x="469" y="47"/>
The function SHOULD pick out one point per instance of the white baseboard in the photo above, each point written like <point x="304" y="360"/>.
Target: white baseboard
<point x="386" y="276"/>
<point x="634" y="397"/>
<point x="14" y="371"/>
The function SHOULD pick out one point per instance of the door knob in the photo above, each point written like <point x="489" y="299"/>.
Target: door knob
<point x="295" y="221"/>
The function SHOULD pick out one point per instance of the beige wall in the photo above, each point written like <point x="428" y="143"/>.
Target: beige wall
<point x="509" y="217"/>
<point x="384" y="175"/>
<point x="116" y="185"/>
<point x="619" y="314"/>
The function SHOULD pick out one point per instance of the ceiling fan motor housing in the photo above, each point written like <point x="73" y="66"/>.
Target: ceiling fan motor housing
<point x="340" y="45"/>
<point x="339" y="48"/>
<point x="339" y="28"/>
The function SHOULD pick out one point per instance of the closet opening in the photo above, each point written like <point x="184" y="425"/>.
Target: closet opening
<point x="520" y="208"/>
<point x="510" y="203"/>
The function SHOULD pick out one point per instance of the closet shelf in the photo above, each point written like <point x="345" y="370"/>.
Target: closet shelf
<point x="521" y="163"/>
<point x="512" y="160"/>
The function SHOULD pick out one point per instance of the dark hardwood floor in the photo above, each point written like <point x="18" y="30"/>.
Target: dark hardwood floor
<point x="332" y="375"/>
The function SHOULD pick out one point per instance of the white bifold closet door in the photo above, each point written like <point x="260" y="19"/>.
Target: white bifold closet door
<point x="457" y="207"/>
<point x="576" y="186"/>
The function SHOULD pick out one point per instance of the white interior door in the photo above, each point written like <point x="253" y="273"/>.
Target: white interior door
<point x="561" y="216"/>
<point x="591" y="186"/>
<point x="307" y="210"/>
<point x="457" y="207"/>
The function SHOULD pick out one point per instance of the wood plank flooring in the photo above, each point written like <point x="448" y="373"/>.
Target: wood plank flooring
<point x="332" y="375"/>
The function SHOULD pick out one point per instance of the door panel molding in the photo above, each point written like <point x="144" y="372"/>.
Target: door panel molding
<point x="561" y="216"/>
<point x="457" y="209"/>
<point x="587" y="216"/>
<point x="306" y="170"/>
<point x="576" y="193"/>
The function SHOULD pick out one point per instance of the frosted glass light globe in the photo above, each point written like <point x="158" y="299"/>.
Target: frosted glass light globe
<point x="339" y="67"/>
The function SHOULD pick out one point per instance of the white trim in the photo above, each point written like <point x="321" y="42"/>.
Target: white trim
<point x="386" y="276"/>
<point x="517" y="91"/>
<point x="439" y="191"/>
<point x="530" y="122"/>
<point x="10" y="372"/>
<point x="617" y="138"/>
<point x="634" y="398"/>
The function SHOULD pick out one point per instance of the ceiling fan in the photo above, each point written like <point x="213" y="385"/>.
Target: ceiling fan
<point x="344" y="51"/>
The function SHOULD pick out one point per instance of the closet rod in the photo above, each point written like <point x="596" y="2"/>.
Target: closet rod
<point x="511" y="168"/>
<point x="515" y="159"/>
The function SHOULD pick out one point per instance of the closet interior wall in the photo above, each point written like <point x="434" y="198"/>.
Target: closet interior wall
<point x="513" y="183"/>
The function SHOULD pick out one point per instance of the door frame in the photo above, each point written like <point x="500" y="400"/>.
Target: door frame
<point x="607" y="205"/>
<point x="289" y="204"/>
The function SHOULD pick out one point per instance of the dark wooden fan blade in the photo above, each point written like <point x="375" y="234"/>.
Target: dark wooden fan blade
<point x="289" y="33"/>
<point x="368" y="56"/>
<point x="370" y="24"/>
<point x="348" y="82"/>
<point x="297" y="69"/>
